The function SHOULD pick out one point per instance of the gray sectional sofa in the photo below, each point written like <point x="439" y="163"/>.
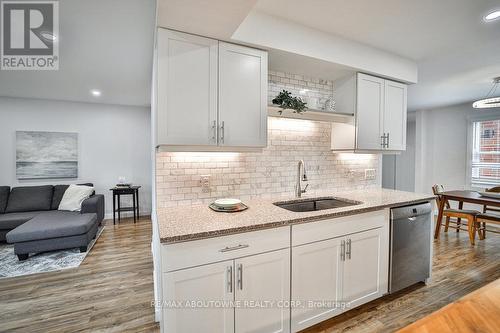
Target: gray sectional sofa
<point x="29" y="219"/>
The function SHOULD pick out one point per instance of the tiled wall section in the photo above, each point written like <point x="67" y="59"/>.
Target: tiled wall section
<point x="268" y="173"/>
<point x="312" y="90"/>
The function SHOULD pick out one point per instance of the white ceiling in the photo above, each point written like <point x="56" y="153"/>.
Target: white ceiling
<point x="105" y="45"/>
<point x="457" y="53"/>
<point x="108" y="44"/>
<point x="213" y="18"/>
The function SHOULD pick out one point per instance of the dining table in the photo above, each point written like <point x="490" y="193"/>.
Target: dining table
<point x="462" y="196"/>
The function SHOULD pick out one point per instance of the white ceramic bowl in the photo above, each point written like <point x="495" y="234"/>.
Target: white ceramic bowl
<point x="227" y="202"/>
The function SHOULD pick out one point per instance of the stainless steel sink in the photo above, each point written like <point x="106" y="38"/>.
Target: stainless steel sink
<point x="310" y="205"/>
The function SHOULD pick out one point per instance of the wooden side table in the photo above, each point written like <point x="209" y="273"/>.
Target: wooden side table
<point x="118" y="191"/>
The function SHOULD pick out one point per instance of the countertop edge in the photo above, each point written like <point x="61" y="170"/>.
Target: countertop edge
<point x="271" y="225"/>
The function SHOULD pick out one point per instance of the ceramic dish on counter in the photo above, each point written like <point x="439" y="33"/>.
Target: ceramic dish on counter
<point x="227" y="203"/>
<point x="238" y="208"/>
<point x="490" y="194"/>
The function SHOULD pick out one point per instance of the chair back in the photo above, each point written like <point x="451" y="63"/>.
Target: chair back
<point x="437" y="189"/>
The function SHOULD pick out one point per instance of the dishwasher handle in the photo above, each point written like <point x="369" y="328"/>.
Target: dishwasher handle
<point x="409" y="212"/>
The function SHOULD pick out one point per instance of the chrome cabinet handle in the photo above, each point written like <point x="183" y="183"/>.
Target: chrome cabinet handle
<point x="411" y="219"/>
<point x="222" y="132"/>
<point x="229" y="279"/>
<point x="240" y="276"/>
<point x="214" y="131"/>
<point x="342" y="250"/>
<point x="382" y="140"/>
<point x="387" y="144"/>
<point x="348" y="252"/>
<point x="233" y="248"/>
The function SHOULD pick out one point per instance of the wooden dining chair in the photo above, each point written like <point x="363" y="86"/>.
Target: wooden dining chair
<point x="458" y="214"/>
<point x="495" y="189"/>
<point x="482" y="220"/>
<point x="486" y="209"/>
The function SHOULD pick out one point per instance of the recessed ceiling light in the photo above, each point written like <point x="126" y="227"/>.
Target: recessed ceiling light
<point x="95" y="92"/>
<point x="492" y="16"/>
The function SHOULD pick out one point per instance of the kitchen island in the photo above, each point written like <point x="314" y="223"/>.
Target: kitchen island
<point x="268" y="269"/>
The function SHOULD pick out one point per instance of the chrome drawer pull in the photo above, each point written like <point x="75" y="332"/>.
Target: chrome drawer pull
<point x="342" y="251"/>
<point x="348" y="252"/>
<point x="240" y="276"/>
<point x="230" y="279"/>
<point x="232" y="248"/>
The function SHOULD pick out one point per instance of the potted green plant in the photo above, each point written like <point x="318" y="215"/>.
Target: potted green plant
<point x="285" y="100"/>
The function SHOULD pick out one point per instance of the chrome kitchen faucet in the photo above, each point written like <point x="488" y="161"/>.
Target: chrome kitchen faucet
<point x="301" y="176"/>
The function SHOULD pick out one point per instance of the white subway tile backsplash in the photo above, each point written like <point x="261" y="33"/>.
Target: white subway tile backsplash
<point x="315" y="92"/>
<point x="268" y="173"/>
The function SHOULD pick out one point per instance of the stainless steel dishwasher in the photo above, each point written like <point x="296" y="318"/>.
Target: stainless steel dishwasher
<point x="410" y="256"/>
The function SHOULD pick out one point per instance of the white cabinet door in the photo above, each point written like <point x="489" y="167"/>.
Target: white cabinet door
<point x="200" y="284"/>
<point x="187" y="89"/>
<point x="370" y="105"/>
<point x="365" y="273"/>
<point x="263" y="278"/>
<point x="316" y="272"/>
<point x="242" y="96"/>
<point x="395" y="114"/>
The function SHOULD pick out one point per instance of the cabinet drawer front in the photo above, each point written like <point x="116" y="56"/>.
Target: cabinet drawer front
<point x="201" y="252"/>
<point x="325" y="229"/>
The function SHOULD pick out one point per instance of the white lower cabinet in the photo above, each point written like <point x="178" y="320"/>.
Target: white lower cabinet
<point x="316" y="270"/>
<point x="236" y="283"/>
<point x="275" y="281"/>
<point x="331" y="276"/>
<point x="185" y="291"/>
<point x="263" y="283"/>
<point x="366" y="266"/>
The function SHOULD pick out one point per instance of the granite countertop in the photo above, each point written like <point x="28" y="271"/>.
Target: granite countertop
<point x="186" y="223"/>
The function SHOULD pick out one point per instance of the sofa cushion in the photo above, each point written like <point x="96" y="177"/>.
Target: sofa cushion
<point x="53" y="224"/>
<point x="29" y="198"/>
<point x="4" y="196"/>
<point x="13" y="220"/>
<point x="58" y="195"/>
<point x="74" y="196"/>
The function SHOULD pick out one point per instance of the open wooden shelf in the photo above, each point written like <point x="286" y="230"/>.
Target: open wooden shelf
<point x="310" y="114"/>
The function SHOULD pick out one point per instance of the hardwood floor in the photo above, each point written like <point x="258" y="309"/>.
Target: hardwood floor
<point x="476" y="312"/>
<point x="113" y="288"/>
<point x="111" y="291"/>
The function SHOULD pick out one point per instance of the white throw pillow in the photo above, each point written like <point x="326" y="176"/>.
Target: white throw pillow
<point x="74" y="196"/>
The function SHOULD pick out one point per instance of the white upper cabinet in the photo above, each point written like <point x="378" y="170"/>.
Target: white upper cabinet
<point x="379" y="106"/>
<point x="211" y="95"/>
<point x="187" y="89"/>
<point x="242" y="96"/>
<point x="370" y="107"/>
<point x="395" y="115"/>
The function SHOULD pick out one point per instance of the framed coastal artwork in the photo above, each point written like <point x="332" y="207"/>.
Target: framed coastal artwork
<point x="41" y="155"/>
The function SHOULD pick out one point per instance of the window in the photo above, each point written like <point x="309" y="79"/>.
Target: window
<point x="485" y="153"/>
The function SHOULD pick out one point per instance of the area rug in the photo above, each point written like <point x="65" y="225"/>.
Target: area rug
<point x="43" y="262"/>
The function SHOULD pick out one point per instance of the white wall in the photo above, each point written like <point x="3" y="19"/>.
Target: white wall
<point x="268" y="31"/>
<point x="398" y="171"/>
<point x="113" y="141"/>
<point x="441" y="146"/>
